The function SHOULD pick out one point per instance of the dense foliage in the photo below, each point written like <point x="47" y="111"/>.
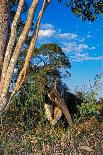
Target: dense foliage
<point x="86" y="9"/>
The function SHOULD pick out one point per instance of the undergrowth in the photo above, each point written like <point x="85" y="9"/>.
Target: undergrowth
<point x="25" y="127"/>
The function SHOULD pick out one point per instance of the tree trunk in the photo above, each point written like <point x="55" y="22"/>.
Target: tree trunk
<point x="4" y="23"/>
<point x="11" y="59"/>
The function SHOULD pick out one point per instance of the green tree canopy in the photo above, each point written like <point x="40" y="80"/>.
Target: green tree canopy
<point x="86" y="9"/>
<point x="45" y="65"/>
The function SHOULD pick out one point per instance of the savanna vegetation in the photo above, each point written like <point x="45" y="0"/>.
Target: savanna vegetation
<point x="27" y="74"/>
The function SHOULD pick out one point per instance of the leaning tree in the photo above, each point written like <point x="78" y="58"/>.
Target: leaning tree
<point x="12" y="51"/>
<point x="11" y="45"/>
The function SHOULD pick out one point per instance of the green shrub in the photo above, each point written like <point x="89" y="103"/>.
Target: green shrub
<point x="88" y="106"/>
<point x="27" y="108"/>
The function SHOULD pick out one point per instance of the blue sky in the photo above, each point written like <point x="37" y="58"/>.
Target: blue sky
<point x="81" y="41"/>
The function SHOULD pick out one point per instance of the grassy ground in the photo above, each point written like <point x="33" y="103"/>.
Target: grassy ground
<point x="84" y="138"/>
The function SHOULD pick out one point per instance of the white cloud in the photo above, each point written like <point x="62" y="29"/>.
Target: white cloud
<point x="72" y="43"/>
<point x="92" y="48"/>
<point x="81" y="47"/>
<point x="68" y="35"/>
<point x="47" y="26"/>
<point x="96" y="58"/>
<point x="48" y="30"/>
<point x="84" y="57"/>
<point x="79" y="57"/>
<point x="74" y="47"/>
<point x="89" y="36"/>
<point x="45" y="33"/>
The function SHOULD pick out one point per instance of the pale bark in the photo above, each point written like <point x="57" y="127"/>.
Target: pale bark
<point x="11" y="42"/>
<point x="17" y="50"/>
<point x="30" y="50"/>
<point x="21" y="40"/>
<point x="13" y="36"/>
<point x="4" y="23"/>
